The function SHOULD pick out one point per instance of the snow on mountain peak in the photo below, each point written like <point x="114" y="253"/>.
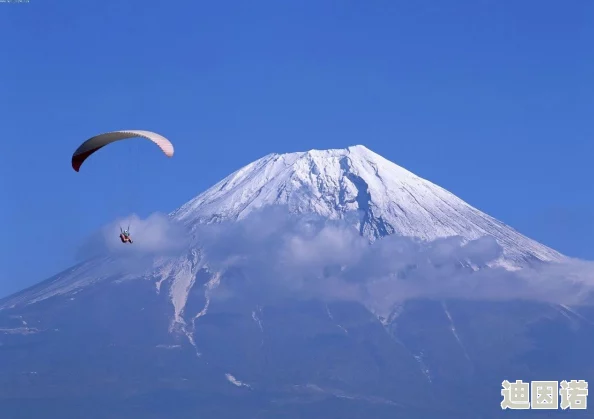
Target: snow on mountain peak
<point x="326" y="182"/>
<point x="335" y="182"/>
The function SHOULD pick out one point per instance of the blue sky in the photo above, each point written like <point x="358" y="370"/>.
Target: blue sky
<point x="492" y="100"/>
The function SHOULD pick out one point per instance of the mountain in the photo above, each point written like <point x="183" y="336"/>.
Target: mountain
<point x="333" y="183"/>
<point x="181" y="335"/>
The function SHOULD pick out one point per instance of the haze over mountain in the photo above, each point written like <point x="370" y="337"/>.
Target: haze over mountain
<point x="327" y="283"/>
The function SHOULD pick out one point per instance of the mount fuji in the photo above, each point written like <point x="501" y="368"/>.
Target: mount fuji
<point x="333" y="183"/>
<point x="261" y="315"/>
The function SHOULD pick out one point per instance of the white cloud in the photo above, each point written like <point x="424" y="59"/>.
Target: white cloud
<point x="312" y="257"/>
<point x="272" y="254"/>
<point x="156" y="235"/>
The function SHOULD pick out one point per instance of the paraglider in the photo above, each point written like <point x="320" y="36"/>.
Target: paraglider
<point x="99" y="141"/>
<point x="90" y="146"/>
<point x="125" y="235"/>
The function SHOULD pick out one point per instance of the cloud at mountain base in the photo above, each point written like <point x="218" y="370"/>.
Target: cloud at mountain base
<point x="155" y="235"/>
<point x="274" y="254"/>
<point x="280" y="254"/>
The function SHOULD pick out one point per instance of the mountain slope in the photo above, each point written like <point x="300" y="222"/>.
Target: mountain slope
<point x="140" y="338"/>
<point x="334" y="183"/>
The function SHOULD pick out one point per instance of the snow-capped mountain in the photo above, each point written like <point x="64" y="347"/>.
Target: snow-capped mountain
<point x="146" y="337"/>
<point x="334" y="183"/>
<point x="331" y="183"/>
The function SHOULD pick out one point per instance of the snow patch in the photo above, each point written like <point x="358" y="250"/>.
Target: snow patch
<point x="341" y="394"/>
<point x="331" y="317"/>
<point x="184" y="277"/>
<point x="576" y="314"/>
<point x="424" y="369"/>
<point x="453" y="329"/>
<point x="19" y="331"/>
<point x="235" y="381"/>
<point x="256" y="317"/>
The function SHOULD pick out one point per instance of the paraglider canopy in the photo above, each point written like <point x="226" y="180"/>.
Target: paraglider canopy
<point x="99" y="141"/>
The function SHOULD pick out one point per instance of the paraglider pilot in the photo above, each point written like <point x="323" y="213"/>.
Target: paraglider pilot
<point x="125" y="235"/>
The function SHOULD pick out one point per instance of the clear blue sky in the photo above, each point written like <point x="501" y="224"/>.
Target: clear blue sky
<point x="493" y="100"/>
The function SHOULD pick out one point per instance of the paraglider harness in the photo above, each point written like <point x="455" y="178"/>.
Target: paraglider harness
<point x="125" y="235"/>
